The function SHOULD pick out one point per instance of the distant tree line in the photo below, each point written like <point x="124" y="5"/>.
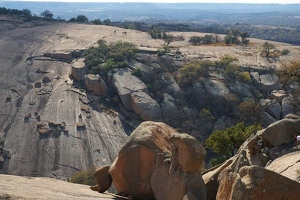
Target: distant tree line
<point x="288" y="34"/>
<point x="207" y="39"/>
<point x="8" y="11"/>
<point x="275" y="33"/>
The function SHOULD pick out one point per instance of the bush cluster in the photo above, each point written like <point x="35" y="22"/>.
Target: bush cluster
<point x="85" y="177"/>
<point x="193" y="72"/>
<point x="105" y="57"/>
<point x="226" y="142"/>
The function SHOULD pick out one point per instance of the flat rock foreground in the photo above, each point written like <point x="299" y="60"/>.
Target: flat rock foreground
<point x="18" y="187"/>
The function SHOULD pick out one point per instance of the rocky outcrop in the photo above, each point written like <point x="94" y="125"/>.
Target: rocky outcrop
<point x="96" y="84"/>
<point x="147" y="72"/>
<point x="197" y="95"/>
<point x="125" y="83"/>
<point x="278" y="95"/>
<point x="269" y="82"/>
<point x="169" y="85"/>
<point x="158" y="162"/>
<point x="287" y="165"/>
<point x="287" y="107"/>
<point x="60" y="55"/>
<point x="272" y="107"/>
<point x="170" y="112"/>
<point x="252" y="182"/>
<point x="244" y="176"/>
<point x="102" y="176"/>
<point x="145" y="107"/>
<point x="216" y="91"/>
<point x="79" y="70"/>
<point x="281" y="132"/>
<point x="265" y="82"/>
<point x="240" y="89"/>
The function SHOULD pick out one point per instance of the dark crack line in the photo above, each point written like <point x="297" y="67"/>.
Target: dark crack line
<point x="66" y="166"/>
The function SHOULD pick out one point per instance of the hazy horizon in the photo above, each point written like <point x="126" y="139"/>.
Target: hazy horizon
<point x="177" y="1"/>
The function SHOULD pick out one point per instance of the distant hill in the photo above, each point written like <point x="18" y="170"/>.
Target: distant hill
<point x="249" y="13"/>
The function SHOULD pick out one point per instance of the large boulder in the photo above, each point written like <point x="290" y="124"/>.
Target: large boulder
<point x="79" y="70"/>
<point x="147" y="72"/>
<point x="287" y="165"/>
<point x="102" y="176"/>
<point x="169" y="85"/>
<point x="170" y="112"/>
<point x="278" y="95"/>
<point x="252" y="182"/>
<point x="159" y="163"/>
<point x="272" y="107"/>
<point x="197" y="95"/>
<point x="265" y="82"/>
<point x="95" y="83"/>
<point x="281" y="132"/>
<point x="240" y="89"/>
<point x="286" y="105"/>
<point x="216" y="92"/>
<point x="255" y="79"/>
<point x="269" y="82"/>
<point x="145" y="107"/>
<point x="125" y="83"/>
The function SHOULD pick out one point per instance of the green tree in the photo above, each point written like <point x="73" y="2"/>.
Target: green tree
<point x="208" y="39"/>
<point x="232" y="36"/>
<point x="106" y="22"/>
<point x="27" y="13"/>
<point x="47" y="14"/>
<point x="244" y="36"/>
<point x="251" y="111"/>
<point x="156" y="33"/>
<point x="82" y="19"/>
<point x="105" y="57"/>
<point x="190" y="73"/>
<point x="289" y="72"/>
<point x="233" y="71"/>
<point x="195" y="40"/>
<point x="72" y="19"/>
<point x="267" y="49"/>
<point x="226" y="142"/>
<point x="97" y="21"/>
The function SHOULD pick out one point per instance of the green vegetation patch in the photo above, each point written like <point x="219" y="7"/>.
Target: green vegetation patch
<point x="193" y="72"/>
<point x="85" y="177"/>
<point x="105" y="57"/>
<point x="224" y="143"/>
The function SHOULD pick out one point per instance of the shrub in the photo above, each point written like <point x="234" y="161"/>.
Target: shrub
<point x="195" y="40"/>
<point x="205" y="113"/>
<point x="84" y="177"/>
<point x="233" y="70"/>
<point x="105" y="57"/>
<point x="245" y="76"/>
<point x="137" y="72"/>
<point x="225" y="142"/>
<point x="189" y="74"/>
<point x="226" y="60"/>
<point x="285" y="52"/>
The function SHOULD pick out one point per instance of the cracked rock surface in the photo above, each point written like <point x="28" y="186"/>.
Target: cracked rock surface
<point x="38" y="125"/>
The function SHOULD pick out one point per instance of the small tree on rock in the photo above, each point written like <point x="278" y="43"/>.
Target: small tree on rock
<point x="47" y="14"/>
<point x="226" y="142"/>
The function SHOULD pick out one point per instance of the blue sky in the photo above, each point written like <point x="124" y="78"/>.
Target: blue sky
<point x="182" y="1"/>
